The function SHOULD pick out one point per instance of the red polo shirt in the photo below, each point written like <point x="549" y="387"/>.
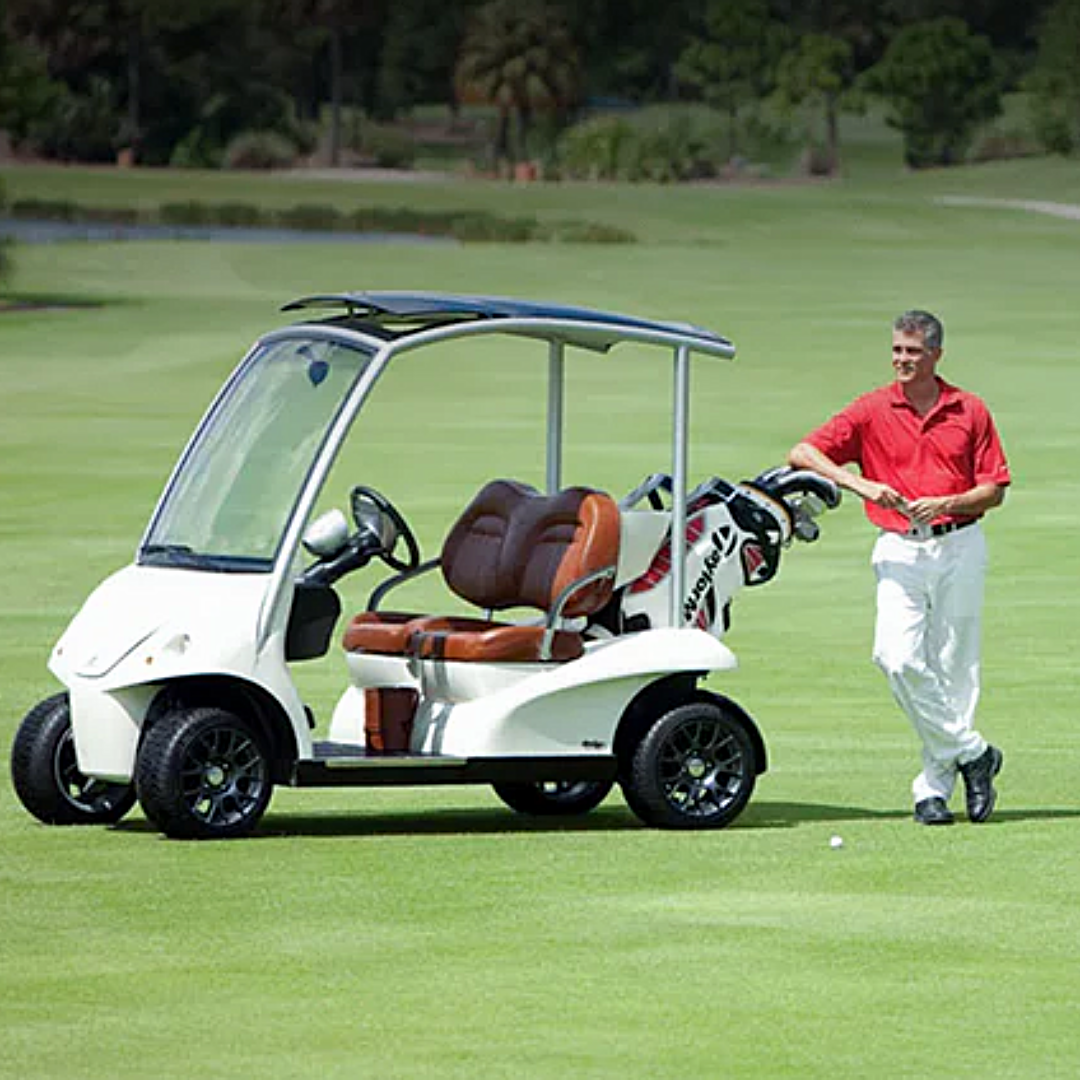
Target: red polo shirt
<point x="946" y="452"/>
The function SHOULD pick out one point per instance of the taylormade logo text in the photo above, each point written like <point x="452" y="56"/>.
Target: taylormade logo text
<point x="704" y="580"/>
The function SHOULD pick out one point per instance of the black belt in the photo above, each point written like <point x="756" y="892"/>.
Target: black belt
<point x="917" y="532"/>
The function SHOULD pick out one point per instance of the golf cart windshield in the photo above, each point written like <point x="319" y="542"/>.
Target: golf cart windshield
<point x="232" y="494"/>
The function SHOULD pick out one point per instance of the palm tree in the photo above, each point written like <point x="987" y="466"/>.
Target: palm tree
<point x="519" y="57"/>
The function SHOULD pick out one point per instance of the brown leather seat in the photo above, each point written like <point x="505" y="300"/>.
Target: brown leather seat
<point x="511" y="548"/>
<point x="385" y="632"/>
<point x="479" y="639"/>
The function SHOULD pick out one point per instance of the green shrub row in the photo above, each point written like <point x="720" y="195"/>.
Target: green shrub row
<point x="260" y="150"/>
<point x="670" y="144"/>
<point x="380" y="145"/>
<point x="465" y="225"/>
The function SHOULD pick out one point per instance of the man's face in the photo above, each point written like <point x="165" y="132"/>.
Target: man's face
<point x="912" y="360"/>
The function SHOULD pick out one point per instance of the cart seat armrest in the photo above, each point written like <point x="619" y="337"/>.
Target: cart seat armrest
<point x="554" y="617"/>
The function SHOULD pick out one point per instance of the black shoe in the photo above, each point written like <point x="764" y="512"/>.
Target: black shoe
<point x="933" y="811"/>
<point x="979" y="780"/>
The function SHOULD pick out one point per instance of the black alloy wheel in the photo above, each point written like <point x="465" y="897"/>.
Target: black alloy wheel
<point x="695" y="768"/>
<point x="46" y="776"/>
<point x="204" y="774"/>
<point x="554" y="798"/>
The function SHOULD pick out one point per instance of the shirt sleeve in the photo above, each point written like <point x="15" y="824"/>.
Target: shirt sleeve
<point x="840" y="437"/>
<point x="991" y="466"/>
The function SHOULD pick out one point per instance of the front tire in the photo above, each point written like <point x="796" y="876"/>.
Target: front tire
<point x="694" y="768"/>
<point x="203" y="774"/>
<point x="554" y="798"/>
<point x="46" y="774"/>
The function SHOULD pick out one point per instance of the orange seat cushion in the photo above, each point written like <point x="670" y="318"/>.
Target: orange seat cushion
<point x="491" y="642"/>
<point x="385" y="632"/>
<point x="454" y="637"/>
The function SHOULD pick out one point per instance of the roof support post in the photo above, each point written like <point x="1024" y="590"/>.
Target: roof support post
<point x="679" y="473"/>
<point x="556" y="379"/>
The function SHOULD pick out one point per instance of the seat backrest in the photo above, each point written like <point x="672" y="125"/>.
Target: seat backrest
<point x="513" y="547"/>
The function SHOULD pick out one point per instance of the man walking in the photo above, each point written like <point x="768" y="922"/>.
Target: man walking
<point x="930" y="465"/>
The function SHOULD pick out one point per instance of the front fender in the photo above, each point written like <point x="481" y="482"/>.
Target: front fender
<point x="149" y="627"/>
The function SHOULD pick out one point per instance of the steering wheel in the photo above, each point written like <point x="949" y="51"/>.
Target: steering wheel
<point x="360" y="499"/>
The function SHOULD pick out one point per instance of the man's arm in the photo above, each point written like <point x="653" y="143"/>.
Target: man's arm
<point x="807" y="456"/>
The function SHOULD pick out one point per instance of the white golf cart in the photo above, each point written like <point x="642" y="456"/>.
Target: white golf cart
<point x="593" y="621"/>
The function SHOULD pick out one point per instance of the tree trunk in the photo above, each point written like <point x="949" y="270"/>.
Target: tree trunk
<point x="524" y="129"/>
<point x="832" y="134"/>
<point x="335" y="95"/>
<point x="502" y="137"/>
<point x="134" y="88"/>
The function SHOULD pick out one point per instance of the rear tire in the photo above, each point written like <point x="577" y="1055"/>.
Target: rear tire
<point x="46" y="775"/>
<point x="694" y="768"/>
<point x="554" y="798"/>
<point x="203" y="774"/>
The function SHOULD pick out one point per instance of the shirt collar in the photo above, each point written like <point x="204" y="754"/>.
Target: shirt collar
<point x="948" y="395"/>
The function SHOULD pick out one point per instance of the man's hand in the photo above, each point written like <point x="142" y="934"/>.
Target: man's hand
<point x="923" y="511"/>
<point x="883" y="495"/>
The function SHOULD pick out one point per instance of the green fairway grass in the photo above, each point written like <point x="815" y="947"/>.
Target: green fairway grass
<point x="434" y="933"/>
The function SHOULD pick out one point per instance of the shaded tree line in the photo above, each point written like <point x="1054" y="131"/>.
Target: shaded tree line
<point x="178" y="82"/>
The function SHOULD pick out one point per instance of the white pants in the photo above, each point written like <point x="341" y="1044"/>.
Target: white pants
<point x="927" y="642"/>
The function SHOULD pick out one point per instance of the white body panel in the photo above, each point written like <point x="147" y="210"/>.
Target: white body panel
<point x="372" y="671"/>
<point x="571" y="708"/>
<point x="347" y="723"/>
<point x="509" y="710"/>
<point x="144" y="627"/>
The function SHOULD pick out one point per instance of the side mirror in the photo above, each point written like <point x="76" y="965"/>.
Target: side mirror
<point x="327" y="535"/>
<point x="372" y="520"/>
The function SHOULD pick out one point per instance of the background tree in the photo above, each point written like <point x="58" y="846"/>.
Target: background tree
<point x="1009" y="25"/>
<point x="939" y="82"/>
<point x="421" y="43"/>
<point x="77" y="46"/>
<point x="343" y="39"/>
<point x="519" y="58"/>
<point x="732" y="59"/>
<point x="630" y="47"/>
<point x="207" y="81"/>
<point x="863" y="25"/>
<point x="816" y="73"/>
<point x="26" y="91"/>
<point x="180" y="78"/>
<point x="1055" y="79"/>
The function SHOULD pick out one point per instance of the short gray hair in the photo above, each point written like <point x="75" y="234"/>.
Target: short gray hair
<point x="922" y="322"/>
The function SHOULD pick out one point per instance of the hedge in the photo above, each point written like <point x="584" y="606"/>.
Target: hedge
<point x="463" y="225"/>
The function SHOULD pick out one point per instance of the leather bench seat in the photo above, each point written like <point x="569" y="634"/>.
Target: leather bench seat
<point x="449" y="637"/>
<point x="479" y="641"/>
<point x="511" y="548"/>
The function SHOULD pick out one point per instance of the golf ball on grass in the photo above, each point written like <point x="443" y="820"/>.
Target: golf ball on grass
<point x="836" y="842"/>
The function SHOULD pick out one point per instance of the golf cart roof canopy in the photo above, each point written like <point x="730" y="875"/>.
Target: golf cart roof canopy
<point x="393" y="316"/>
